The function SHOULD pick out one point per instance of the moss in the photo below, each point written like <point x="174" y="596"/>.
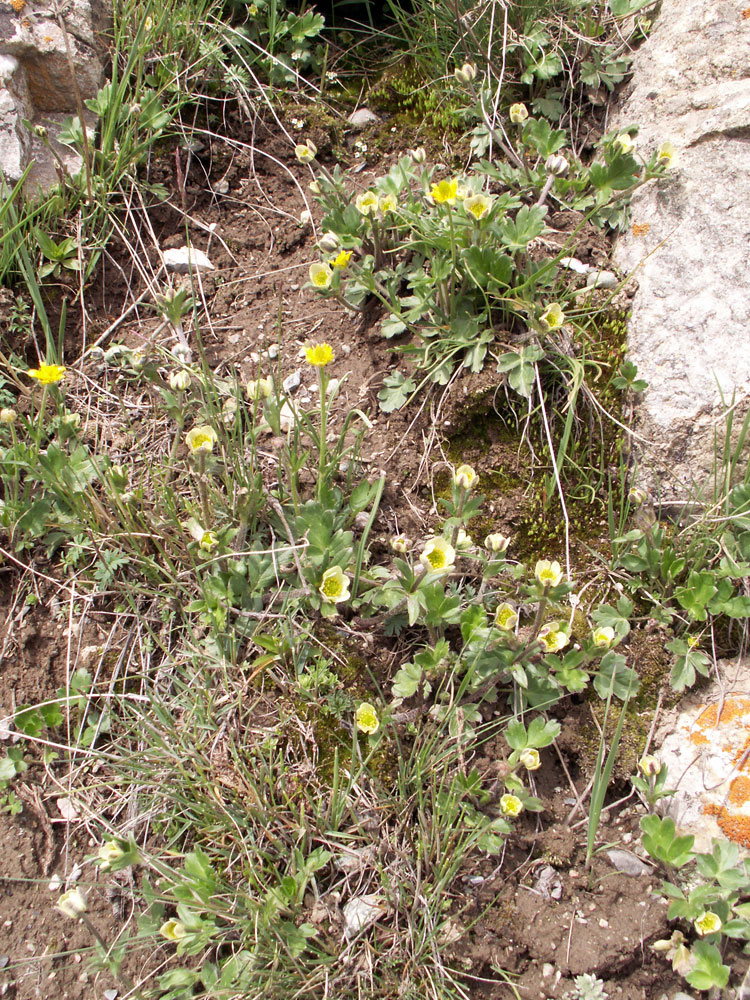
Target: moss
<point x="410" y="99"/>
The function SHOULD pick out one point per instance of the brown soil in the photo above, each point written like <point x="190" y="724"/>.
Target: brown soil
<point x="530" y="920"/>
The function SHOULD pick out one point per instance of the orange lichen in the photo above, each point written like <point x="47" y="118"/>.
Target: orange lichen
<point x="736" y="828"/>
<point x="698" y="738"/>
<point x="641" y="228"/>
<point x="746" y="14"/>
<point x="739" y="791"/>
<point x="732" y="708"/>
<point x="18" y="5"/>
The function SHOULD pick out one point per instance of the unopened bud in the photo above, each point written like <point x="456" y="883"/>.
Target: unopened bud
<point x="557" y="165"/>
<point x="8" y="415"/>
<point x="466" y="73"/>
<point x="329" y="242"/>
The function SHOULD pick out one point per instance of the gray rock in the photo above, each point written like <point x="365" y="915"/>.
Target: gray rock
<point x="704" y="749"/>
<point x="628" y="863"/>
<point x="690" y="315"/>
<point x="36" y="82"/>
<point x="361" y="118"/>
<point x="181" y="260"/>
<point x="291" y="382"/>
<point x="602" y="279"/>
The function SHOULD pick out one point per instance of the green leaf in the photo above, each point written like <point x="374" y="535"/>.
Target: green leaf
<point x="396" y="391"/>
<point x="516" y="234"/>
<point x="520" y="367"/>
<point x="709" y="970"/>
<point x="662" y="843"/>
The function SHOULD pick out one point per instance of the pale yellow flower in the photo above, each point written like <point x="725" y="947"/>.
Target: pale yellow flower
<point x="707" y="923"/>
<point x="553" y="317"/>
<point x="603" y="636"/>
<point x="466" y="73"/>
<point x="387" y="203"/>
<point x="72" y="903"/>
<point x="478" y="206"/>
<point x="400" y="543"/>
<point x="552" y="638"/>
<point x="8" y="415"/>
<point x="108" y="853"/>
<point x="445" y="193"/>
<point x="510" y="805"/>
<point x="319" y="355"/>
<point x="667" y="155"/>
<point x="173" y="930"/>
<point x="497" y="542"/>
<point x="530" y="759"/>
<point x="321" y="275"/>
<point x="506" y="617"/>
<point x="518" y="113"/>
<point x="334" y="586"/>
<point x="306" y="151"/>
<point x="47" y="374"/>
<point x="201" y="439"/>
<point x="259" y="388"/>
<point x="366" y="203"/>
<point x="367" y="718"/>
<point x="624" y="142"/>
<point x="438" y="556"/>
<point x="465" y="477"/>
<point x="549" y="574"/>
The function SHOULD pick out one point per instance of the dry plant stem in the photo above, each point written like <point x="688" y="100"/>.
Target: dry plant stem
<point x="551" y="446"/>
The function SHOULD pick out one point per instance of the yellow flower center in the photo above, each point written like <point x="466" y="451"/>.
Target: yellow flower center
<point x="319" y="355"/>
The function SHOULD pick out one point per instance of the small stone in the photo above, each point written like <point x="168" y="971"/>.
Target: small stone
<point x="573" y="264"/>
<point x="55" y="883"/>
<point x="110" y="995"/>
<point x="346" y="350"/>
<point x="627" y="863"/>
<point x="273" y="352"/>
<point x="291" y="382"/>
<point x="361" y="118"/>
<point x="67" y="809"/>
<point x="602" y="279"/>
<point x="182" y="260"/>
<point x="221" y="187"/>
<point x="4" y="959"/>
<point x="548" y="970"/>
<point x="603" y="922"/>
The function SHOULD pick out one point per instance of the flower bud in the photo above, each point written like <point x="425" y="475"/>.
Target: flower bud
<point x="400" y="544"/>
<point x="466" y="74"/>
<point x="179" y="381"/>
<point x="305" y="218"/>
<point x="530" y="759"/>
<point x="419" y="155"/>
<point x="497" y="542"/>
<point x="329" y="242"/>
<point x="557" y="165"/>
<point x="8" y="415"/>
<point x="313" y="187"/>
<point x="649" y="765"/>
<point x="518" y="113"/>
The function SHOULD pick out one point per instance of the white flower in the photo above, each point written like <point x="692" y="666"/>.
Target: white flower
<point x="549" y="574"/>
<point x="603" y="636"/>
<point x="530" y="759"/>
<point x="497" y="542"/>
<point x="334" y="586"/>
<point x="464" y="476"/>
<point x="179" y="381"/>
<point x="306" y="151"/>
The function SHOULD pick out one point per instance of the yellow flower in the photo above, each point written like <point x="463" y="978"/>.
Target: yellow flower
<point x="387" y="203"/>
<point x="506" y="617"/>
<point x="625" y="143"/>
<point x="319" y="355"/>
<point x="530" y="759"/>
<point x="321" y="275"/>
<point x="438" y="556"/>
<point x="334" y="586"/>
<point x="518" y="113"/>
<point x="72" y="903"/>
<point x="47" y="374"/>
<point x="478" y="205"/>
<point x="173" y="930"/>
<point x="549" y="574"/>
<point x="707" y="923"/>
<point x="445" y="193"/>
<point x="553" y="317"/>
<point x="497" y="542"/>
<point x="342" y="259"/>
<point x="552" y="638"/>
<point x="148" y="23"/>
<point x="366" y="203"/>
<point x="464" y="476"/>
<point x="306" y="151"/>
<point x="201" y="439"/>
<point x="510" y="805"/>
<point x="367" y="719"/>
<point x="603" y="636"/>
